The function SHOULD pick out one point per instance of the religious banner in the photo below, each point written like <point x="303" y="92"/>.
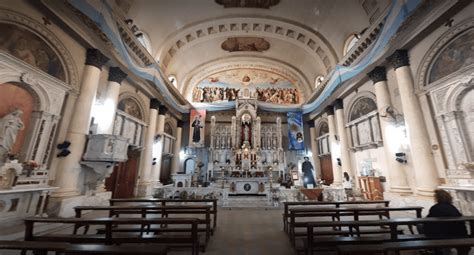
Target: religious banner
<point x="197" y="122"/>
<point x="295" y="131"/>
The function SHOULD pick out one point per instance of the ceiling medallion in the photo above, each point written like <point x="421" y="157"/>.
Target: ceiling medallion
<point x="245" y="44"/>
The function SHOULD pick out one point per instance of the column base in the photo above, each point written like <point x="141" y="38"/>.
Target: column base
<point x="425" y="192"/>
<point x="401" y="189"/>
<point x="64" y="206"/>
<point x="144" y="189"/>
<point x="336" y="185"/>
<point x="64" y="193"/>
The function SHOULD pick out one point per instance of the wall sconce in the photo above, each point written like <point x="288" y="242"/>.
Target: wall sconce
<point x="64" y="149"/>
<point x="339" y="161"/>
<point x="401" y="157"/>
<point x="154" y="161"/>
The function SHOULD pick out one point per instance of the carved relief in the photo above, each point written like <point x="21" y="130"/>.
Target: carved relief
<point x="245" y="44"/>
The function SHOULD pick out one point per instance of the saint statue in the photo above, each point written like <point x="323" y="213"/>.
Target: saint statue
<point x="246" y="133"/>
<point x="307" y="169"/>
<point x="197" y="129"/>
<point x="10" y="124"/>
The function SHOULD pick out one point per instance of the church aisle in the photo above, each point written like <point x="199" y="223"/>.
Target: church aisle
<point x="248" y="231"/>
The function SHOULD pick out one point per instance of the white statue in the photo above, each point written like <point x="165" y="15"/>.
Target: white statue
<point x="10" y="124"/>
<point x="246" y="133"/>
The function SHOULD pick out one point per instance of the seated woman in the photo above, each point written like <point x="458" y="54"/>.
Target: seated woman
<point x="444" y="208"/>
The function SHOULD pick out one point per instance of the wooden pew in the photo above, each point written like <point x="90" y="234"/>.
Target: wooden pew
<point x="115" y="201"/>
<point x="392" y="224"/>
<point x="144" y="210"/>
<point x="67" y="248"/>
<point x="368" y="249"/>
<point x="191" y="239"/>
<point x="337" y="204"/>
<point x="336" y="213"/>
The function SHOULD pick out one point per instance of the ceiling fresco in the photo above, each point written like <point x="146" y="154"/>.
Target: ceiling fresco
<point x="231" y="84"/>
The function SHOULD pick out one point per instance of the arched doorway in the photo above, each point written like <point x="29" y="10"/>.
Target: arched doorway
<point x="324" y="149"/>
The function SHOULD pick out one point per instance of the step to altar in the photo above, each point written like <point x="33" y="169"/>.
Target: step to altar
<point x="248" y="201"/>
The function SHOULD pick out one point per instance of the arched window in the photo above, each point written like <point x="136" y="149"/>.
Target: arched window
<point x="173" y="80"/>
<point x="364" y="123"/>
<point x="168" y="129"/>
<point x="318" y="81"/>
<point x="351" y="41"/>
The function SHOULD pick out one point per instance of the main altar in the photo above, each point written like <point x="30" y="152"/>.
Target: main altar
<point x="246" y="156"/>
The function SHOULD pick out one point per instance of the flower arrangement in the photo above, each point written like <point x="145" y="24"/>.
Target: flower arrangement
<point x="29" y="166"/>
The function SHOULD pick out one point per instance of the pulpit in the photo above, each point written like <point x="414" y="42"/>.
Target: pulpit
<point x="371" y="187"/>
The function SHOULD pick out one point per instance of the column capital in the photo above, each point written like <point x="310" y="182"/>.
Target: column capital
<point x="310" y="123"/>
<point x="154" y="103"/>
<point x="117" y="75"/>
<point x="378" y="74"/>
<point x="162" y="110"/>
<point x="330" y="110"/>
<point x="399" y="58"/>
<point x="95" y="58"/>
<point x="180" y="123"/>
<point x="338" y="105"/>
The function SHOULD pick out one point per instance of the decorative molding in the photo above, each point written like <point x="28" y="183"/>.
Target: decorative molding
<point x="95" y="58"/>
<point x="116" y="75"/>
<point x="425" y="66"/>
<point x="154" y="103"/>
<point x="378" y="74"/>
<point x="235" y="44"/>
<point x="65" y="57"/>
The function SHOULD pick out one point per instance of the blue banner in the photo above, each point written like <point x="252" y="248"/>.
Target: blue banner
<point x="295" y="131"/>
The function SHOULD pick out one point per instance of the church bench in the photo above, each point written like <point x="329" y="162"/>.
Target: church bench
<point x="143" y="210"/>
<point x="367" y="249"/>
<point x="313" y="242"/>
<point x="189" y="239"/>
<point x="163" y="202"/>
<point x="41" y="248"/>
<point x="337" y="213"/>
<point x="337" y="204"/>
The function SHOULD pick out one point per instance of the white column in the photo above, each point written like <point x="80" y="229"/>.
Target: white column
<point x="144" y="184"/>
<point x="335" y="151"/>
<point x="106" y="121"/>
<point x="69" y="170"/>
<point x="314" y="149"/>
<point x="398" y="178"/>
<point x="177" y="148"/>
<point x="158" y="147"/>
<point x="343" y="141"/>
<point x="424" y="167"/>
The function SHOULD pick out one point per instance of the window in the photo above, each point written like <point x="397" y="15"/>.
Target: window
<point x="318" y="81"/>
<point x="350" y="42"/>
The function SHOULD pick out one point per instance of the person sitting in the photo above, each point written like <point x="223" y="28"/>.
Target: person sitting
<point x="347" y="185"/>
<point x="444" y="208"/>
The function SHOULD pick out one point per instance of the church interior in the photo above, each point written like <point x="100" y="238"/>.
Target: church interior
<point x="236" y="127"/>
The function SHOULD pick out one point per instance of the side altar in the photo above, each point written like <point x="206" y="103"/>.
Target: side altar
<point x="247" y="155"/>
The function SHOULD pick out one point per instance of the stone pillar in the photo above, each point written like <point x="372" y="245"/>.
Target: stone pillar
<point x="144" y="184"/>
<point x="158" y="148"/>
<point x="177" y="148"/>
<point x="398" y="178"/>
<point x="424" y="167"/>
<point x="335" y="150"/>
<point x="343" y="141"/>
<point x="106" y="123"/>
<point x="314" y="149"/>
<point x="69" y="170"/>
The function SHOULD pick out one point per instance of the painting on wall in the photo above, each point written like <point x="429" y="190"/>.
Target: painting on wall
<point x="130" y="107"/>
<point x="30" y="48"/>
<point x="295" y="131"/>
<point x="457" y="54"/>
<point x="229" y="85"/>
<point x="12" y="98"/>
<point x="197" y="124"/>
<point x="362" y="107"/>
<point x="245" y="44"/>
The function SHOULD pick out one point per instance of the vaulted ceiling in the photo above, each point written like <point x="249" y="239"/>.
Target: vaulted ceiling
<point x="300" y="38"/>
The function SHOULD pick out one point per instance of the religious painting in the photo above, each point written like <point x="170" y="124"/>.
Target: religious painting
<point x="264" y="4"/>
<point x="197" y="124"/>
<point x="229" y="85"/>
<point x="131" y="107"/>
<point x="16" y="106"/>
<point x="245" y="44"/>
<point x="295" y="131"/>
<point x="30" y="48"/>
<point x="457" y="54"/>
<point x="362" y="107"/>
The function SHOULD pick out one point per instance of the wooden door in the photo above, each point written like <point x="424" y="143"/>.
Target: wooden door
<point x="165" y="175"/>
<point x="326" y="169"/>
<point x="122" y="180"/>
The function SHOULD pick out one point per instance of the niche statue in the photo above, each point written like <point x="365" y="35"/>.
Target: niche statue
<point x="10" y="124"/>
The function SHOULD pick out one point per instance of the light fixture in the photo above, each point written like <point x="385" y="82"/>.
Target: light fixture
<point x="401" y="157"/>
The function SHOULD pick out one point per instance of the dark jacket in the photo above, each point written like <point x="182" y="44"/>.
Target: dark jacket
<point x="445" y="229"/>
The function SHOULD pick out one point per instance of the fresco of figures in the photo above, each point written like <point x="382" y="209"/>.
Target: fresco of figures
<point x="227" y="86"/>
